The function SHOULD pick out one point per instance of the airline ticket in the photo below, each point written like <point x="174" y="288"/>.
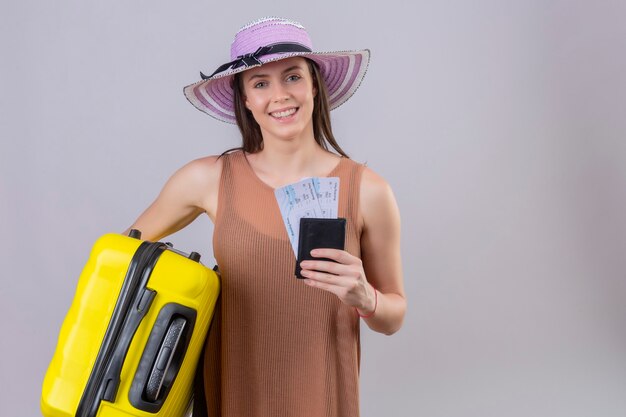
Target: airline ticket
<point x="309" y="197"/>
<point x="327" y="190"/>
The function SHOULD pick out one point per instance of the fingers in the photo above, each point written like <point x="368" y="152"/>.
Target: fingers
<point x="324" y="266"/>
<point x="337" y="255"/>
<point x="345" y="277"/>
<point x="346" y="267"/>
<point x="341" y="258"/>
<point x="323" y="277"/>
<point x="348" y="289"/>
<point x="340" y="286"/>
<point x="329" y="276"/>
<point x="335" y="289"/>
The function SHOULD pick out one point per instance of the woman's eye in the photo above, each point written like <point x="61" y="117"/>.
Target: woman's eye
<point x="293" y="78"/>
<point x="260" y="84"/>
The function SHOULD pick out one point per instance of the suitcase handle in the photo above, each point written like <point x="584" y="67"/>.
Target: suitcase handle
<point x="167" y="363"/>
<point x="162" y="357"/>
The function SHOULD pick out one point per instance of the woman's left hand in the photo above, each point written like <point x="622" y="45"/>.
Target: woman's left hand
<point x="345" y="278"/>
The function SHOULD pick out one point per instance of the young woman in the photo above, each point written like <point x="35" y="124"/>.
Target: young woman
<point x="281" y="346"/>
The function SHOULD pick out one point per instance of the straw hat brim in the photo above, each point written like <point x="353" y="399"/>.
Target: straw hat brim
<point x="342" y="71"/>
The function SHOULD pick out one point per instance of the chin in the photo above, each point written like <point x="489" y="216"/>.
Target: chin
<point x="287" y="131"/>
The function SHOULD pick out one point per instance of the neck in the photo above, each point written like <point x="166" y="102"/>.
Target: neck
<point x="289" y="155"/>
<point x="282" y="162"/>
<point x="286" y="160"/>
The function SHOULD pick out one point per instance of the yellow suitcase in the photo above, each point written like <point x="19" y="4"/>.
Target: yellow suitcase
<point x="132" y="337"/>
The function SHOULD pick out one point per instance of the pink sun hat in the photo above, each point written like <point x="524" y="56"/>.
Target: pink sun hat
<point x="272" y="39"/>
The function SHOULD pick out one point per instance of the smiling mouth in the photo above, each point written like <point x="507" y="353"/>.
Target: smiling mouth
<point x="285" y="113"/>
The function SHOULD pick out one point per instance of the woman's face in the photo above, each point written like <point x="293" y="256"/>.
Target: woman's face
<point x="280" y="96"/>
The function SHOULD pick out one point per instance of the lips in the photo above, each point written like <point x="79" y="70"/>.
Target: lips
<point x="283" y="114"/>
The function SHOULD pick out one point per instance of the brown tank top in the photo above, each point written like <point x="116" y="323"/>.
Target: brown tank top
<point x="277" y="347"/>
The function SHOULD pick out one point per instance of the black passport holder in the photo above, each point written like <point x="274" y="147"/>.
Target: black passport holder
<point x="318" y="233"/>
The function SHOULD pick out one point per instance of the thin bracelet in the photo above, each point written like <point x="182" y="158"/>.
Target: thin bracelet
<point x="375" y="305"/>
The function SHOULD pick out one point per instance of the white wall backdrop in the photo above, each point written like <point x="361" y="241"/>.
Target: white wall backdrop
<point x="500" y="125"/>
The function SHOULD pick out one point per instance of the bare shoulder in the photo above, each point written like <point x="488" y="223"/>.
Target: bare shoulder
<point x="201" y="178"/>
<point x="189" y="192"/>
<point x="204" y="170"/>
<point x="376" y="198"/>
<point x="371" y="182"/>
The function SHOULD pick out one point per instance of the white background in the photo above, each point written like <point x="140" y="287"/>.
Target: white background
<point x="499" y="124"/>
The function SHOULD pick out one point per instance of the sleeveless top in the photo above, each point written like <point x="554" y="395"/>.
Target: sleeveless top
<point x="276" y="346"/>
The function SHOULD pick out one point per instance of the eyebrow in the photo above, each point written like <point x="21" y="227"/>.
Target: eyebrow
<point x="266" y="75"/>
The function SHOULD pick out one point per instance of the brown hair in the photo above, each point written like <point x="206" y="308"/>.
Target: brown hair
<point x="252" y="139"/>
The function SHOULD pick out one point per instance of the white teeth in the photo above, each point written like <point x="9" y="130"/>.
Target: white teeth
<point x="284" y="113"/>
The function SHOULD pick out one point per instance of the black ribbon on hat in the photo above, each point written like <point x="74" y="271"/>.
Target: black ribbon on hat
<point x="252" y="59"/>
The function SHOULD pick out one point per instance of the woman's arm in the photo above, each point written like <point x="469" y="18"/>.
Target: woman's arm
<point x="189" y="192"/>
<point x="380" y="254"/>
<point x="352" y="279"/>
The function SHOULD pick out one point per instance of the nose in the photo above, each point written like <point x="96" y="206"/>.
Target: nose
<point x="279" y="93"/>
